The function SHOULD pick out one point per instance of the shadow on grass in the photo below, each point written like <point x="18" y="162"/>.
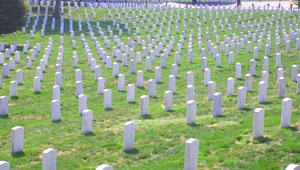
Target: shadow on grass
<point x="170" y="110"/>
<point x="146" y="117"/>
<point x="132" y="151"/>
<point x="109" y="109"/>
<point x="220" y="116"/>
<point x="89" y="134"/>
<point x="134" y="102"/>
<point x="142" y="88"/>
<point x="56" y="121"/>
<point x="14" y="98"/>
<point x="194" y="125"/>
<point x="252" y="92"/>
<point x="160" y="83"/>
<point x="4" y="116"/>
<point x="154" y="97"/>
<point x="18" y="154"/>
<point x="261" y="140"/>
<point x="246" y="109"/>
<point x="38" y="92"/>
<point x="266" y="103"/>
<point x="292" y="128"/>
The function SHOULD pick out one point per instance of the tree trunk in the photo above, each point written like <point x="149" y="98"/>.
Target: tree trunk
<point x="56" y="13"/>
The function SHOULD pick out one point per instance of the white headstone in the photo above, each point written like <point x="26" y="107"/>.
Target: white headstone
<point x="262" y="92"/>
<point x="128" y="137"/>
<point x="190" y="78"/>
<point x="191" y="154"/>
<point x="79" y="88"/>
<point x="206" y="76"/>
<point x="248" y="82"/>
<point x="115" y="69"/>
<point x="56" y="93"/>
<point x="56" y="113"/>
<point x="101" y="85"/>
<point x="78" y="75"/>
<point x="152" y="88"/>
<point x="230" y="86"/>
<point x="292" y="167"/>
<point x="172" y="85"/>
<point x="211" y="89"/>
<point x="238" y="70"/>
<point x="191" y="112"/>
<point x="49" y="159"/>
<point x="241" y="98"/>
<point x="37" y="84"/>
<point x="157" y="74"/>
<point x="168" y="100"/>
<point x="20" y="76"/>
<point x="144" y="106"/>
<point x="132" y="66"/>
<point x="278" y="60"/>
<point x="17" y="139"/>
<point x="121" y="82"/>
<point x="87" y="121"/>
<point x="3" y="105"/>
<point x="266" y="64"/>
<point x="231" y="57"/>
<point x="97" y="73"/>
<point x="82" y="103"/>
<point x="58" y="79"/>
<point x="286" y="112"/>
<point x="140" y="79"/>
<point x="294" y="72"/>
<point x="13" y="89"/>
<point x="130" y="93"/>
<point x="217" y="105"/>
<point x="104" y="167"/>
<point x="252" y="67"/>
<point x="258" y="123"/>
<point x="190" y="92"/>
<point x="4" y="165"/>
<point x="298" y="84"/>
<point x="281" y="87"/>
<point x="107" y="99"/>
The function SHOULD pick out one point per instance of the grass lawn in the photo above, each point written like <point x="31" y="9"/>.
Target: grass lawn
<point x="225" y="142"/>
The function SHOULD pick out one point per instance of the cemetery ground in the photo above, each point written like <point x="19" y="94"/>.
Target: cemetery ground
<point x="225" y="142"/>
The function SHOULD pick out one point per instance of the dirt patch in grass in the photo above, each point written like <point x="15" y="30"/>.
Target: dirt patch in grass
<point x="11" y="103"/>
<point x="66" y="152"/>
<point x="28" y="117"/>
<point x="223" y="124"/>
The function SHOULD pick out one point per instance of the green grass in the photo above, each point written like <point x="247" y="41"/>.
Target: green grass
<point x="225" y="142"/>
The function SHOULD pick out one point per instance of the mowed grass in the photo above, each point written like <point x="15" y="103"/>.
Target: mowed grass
<point x="225" y="142"/>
